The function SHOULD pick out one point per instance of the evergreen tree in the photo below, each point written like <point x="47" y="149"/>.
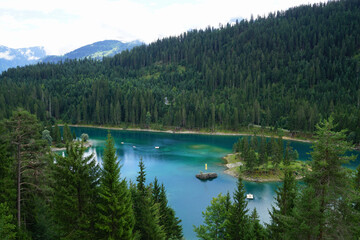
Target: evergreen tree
<point x="169" y="222"/>
<point x="331" y="182"/>
<point x="284" y="204"/>
<point x="116" y="218"/>
<point x="75" y="189"/>
<point x="67" y="136"/>
<point x="7" y="223"/>
<point x="257" y="231"/>
<point x="215" y="218"/>
<point x="237" y="224"/>
<point x="29" y="150"/>
<point x="57" y="134"/>
<point x="147" y="219"/>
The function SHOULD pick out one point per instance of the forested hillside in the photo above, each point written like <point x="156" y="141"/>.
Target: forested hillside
<point x="290" y="70"/>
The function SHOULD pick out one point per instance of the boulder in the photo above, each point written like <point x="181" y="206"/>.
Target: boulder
<point x="206" y="176"/>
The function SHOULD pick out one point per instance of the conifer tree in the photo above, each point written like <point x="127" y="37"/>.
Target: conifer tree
<point x="169" y="222"/>
<point x="257" y="231"/>
<point x="57" y="134"/>
<point x="116" y="219"/>
<point x="29" y="150"/>
<point x="147" y="219"/>
<point x="7" y="223"/>
<point x="67" y="136"/>
<point x="284" y="204"/>
<point x="237" y="224"/>
<point x="330" y="181"/>
<point x="75" y="189"/>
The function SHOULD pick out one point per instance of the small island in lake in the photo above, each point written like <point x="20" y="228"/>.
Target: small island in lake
<point x="206" y="176"/>
<point x="263" y="161"/>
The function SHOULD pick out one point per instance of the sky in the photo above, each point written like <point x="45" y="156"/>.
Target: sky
<point x="61" y="26"/>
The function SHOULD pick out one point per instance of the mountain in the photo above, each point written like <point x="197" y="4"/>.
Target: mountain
<point x="10" y="57"/>
<point x="289" y="70"/>
<point x="96" y="50"/>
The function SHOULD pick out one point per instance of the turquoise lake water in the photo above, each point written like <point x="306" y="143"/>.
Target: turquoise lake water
<point x="176" y="162"/>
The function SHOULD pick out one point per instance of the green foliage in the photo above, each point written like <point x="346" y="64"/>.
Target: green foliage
<point x="116" y="219"/>
<point x="213" y="78"/>
<point x="67" y="136"/>
<point x="147" y="217"/>
<point x="257" y="231"/>
<point x="284" y="205"/>
<point x="75" y="189"/>
<point x="215" y="217"/>
<point x="7" y="223"/>
<point x="57" y="134"/>
<point x="238" y="223"/>
<point x="46" y="136"/>
<point x="84" y="137"/>
<point x="169" y="222"/>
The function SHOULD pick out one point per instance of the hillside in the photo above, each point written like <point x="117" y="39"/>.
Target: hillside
<point x="289" y="70"/>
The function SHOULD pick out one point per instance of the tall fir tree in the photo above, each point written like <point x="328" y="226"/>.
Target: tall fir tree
<point x="331" y="182"/>
<point x="147" y="218"/>
<point x="116" y="218"/>
<point x="75" y="193"/>
<point x="237" y="224"/>
<point x="284" y="204"/>
<point x="30" y="152"/>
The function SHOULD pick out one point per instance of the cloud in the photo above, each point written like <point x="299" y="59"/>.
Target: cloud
<point x="6" y="55"/>
<point x="63" y="25"/>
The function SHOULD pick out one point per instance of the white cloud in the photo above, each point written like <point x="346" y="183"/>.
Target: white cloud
<point x="63" y="25"/>
<point x="6" y="55"/>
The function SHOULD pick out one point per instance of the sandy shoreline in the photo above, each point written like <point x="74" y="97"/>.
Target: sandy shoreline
<point x="185" y="132"/>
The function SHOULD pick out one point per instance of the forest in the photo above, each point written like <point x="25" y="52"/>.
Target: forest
<point x="297" y="69"/>
<point x="44" y="195"/>
<point x="288" y="70"/>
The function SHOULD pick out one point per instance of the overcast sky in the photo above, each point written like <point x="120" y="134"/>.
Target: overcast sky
<point x="64" y="25"/>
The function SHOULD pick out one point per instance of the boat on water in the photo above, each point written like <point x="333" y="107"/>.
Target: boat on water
<point x="157" y="147"/>
<point x="250" y="196"/>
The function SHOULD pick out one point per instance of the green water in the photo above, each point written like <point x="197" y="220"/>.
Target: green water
<point x="175" y="163"/>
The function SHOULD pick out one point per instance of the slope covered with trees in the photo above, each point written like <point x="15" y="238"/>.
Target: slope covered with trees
<point x="290" y="69"/>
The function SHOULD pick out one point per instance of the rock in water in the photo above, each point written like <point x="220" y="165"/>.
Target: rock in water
<point x="206" y="176"/>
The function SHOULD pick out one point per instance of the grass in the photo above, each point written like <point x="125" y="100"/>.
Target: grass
<point x="266" y="172"/>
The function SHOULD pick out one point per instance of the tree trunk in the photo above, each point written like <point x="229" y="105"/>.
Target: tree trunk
<point x="18" y="186"/>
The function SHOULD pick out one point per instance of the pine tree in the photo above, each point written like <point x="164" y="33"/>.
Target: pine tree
<point x="331" y="182"/>
<point x="169" y="222"/>
<point x="257" y="231"/>
<point x="284" y="204"/>
<point x="116" y="219"/>
<point x="75" y="190"/>
<point x="7" y="223"/>
<point x="29" y="150"/>
<point x="57" y="134"/>
<point x="147" y="216"/>
<point x="67" y="136"/>
<point x="237" y="224"/>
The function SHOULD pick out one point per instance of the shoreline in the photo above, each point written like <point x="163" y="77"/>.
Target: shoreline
<point x="186" y="132"/>
<point x="232" y="166"/>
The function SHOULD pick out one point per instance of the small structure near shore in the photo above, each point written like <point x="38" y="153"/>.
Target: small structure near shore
<point x="206" y="176"/>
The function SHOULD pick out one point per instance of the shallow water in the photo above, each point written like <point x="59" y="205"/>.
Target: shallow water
<point x="176" y="162"/>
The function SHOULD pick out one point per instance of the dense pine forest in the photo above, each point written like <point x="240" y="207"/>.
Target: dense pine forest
<point x="290" y="70"/>
<point x="298" y="69"/>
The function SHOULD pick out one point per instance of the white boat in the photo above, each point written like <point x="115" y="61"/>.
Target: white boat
<point x="122" y="142"/>
<point x="157" y="147"/>
<point x="250" y="196"/>
<point x="134" y="146"/>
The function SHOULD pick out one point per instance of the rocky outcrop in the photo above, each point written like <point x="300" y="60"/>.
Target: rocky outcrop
<point x="206" y="176"/>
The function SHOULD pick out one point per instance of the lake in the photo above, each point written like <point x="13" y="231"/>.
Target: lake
<point x="176" y="162"/>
